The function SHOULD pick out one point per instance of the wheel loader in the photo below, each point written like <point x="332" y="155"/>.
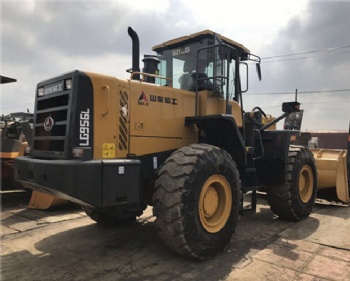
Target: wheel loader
<point x="332" y="162"/>
<point x="332" y="167"/>
<point x="175" y="137"/>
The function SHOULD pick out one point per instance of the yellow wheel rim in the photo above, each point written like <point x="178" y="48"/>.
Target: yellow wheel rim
<point x="306" y="184"/>
<point x="215" y="202"/>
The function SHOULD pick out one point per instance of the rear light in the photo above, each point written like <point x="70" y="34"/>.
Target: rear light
<point x="78" y="152"/>
<point x="68" y="84"/>
<point x="40" y="92"/>
<point x="27" y="150"/>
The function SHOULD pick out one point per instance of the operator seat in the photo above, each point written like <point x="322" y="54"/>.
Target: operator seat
<point x="186" y="80"/>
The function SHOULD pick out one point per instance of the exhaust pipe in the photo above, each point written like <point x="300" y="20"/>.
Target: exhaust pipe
<point x="135" y="53"/>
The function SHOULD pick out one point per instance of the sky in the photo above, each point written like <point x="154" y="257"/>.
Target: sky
<point x="304" y="46"/>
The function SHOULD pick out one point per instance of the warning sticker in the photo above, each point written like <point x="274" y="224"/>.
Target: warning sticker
<point x="108" y="150"/>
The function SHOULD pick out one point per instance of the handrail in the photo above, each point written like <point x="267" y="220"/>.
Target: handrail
<point x="144" y="74"/>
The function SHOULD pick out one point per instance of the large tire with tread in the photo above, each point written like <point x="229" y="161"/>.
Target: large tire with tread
<point x="197" y="200"/>
<point x="108" y="217"/>
<point x="295" y="199"/>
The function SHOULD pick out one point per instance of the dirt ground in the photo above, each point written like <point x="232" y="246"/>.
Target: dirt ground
<point x="64" y="244"/>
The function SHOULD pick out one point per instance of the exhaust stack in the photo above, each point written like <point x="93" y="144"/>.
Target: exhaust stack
<point x="135" y="53"/>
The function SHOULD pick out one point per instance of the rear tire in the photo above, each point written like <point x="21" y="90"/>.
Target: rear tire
<point x="295" y="199"/>
<point x="196" y="200"/>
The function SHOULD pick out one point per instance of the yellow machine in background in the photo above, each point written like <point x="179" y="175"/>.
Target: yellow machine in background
<point x="15" y="134"/>
<point x="332" y="173"/>
<point x="43" y="201"/>
<point x="13" y="144"/>
<point x="332" y="164"/>
<point x="333" y="168"/>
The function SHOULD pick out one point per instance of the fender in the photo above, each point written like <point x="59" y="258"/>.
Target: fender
<point x="222" y="131"/>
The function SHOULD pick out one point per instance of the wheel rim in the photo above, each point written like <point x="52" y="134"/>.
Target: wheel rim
<point x="215" y="203"/>
<point x="306" y="184"/>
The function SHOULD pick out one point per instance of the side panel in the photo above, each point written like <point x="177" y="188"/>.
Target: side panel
<point x="210" y="104"/>
<point x="109" y="124"/>
<point x="157" y="118"/>
<point x="81" y="116"/>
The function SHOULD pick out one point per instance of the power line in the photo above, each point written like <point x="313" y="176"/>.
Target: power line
<point x="301" y="58"/>
<point x="302" y="92"/>
<point x="305" y="57"/>
<point x="309" y="52"/>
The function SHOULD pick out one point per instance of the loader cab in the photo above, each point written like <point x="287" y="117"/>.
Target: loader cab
<point x="202" y="61"/>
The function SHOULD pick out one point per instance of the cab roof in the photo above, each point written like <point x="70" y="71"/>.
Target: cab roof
<point x="194" y="37"/>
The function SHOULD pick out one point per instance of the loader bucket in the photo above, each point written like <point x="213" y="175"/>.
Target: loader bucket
<point x="332" y="173"/>
<point x="43" y="201"/>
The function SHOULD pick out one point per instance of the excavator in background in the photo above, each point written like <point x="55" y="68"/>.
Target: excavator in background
<point x="174" y="136"/>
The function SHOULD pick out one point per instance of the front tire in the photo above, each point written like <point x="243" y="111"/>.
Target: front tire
<point x="295" y="199"/>
<point x="196" y="200"/>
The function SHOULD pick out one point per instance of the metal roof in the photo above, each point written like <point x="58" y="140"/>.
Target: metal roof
<point x="176" y="41"/>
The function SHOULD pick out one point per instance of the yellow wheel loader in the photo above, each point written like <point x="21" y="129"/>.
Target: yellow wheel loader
<point x="332" y="165"/>
<point x="174" y="136"/>
<point x="333" y="168"/>
<point x="333" y="178"/>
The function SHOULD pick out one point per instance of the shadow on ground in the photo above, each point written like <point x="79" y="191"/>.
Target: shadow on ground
<point x="134" y="252"/>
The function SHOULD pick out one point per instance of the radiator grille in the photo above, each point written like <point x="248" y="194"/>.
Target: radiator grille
<point x="50" y="131"/>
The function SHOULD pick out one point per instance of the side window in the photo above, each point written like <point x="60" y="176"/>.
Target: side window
<point x="210" y="73"/>
<point x="178" y="66"/>
<point x="232" y="80"/>
<point x="175" y="73"/>
<point x="210" y="69"/>
<point x="162" y="72"/>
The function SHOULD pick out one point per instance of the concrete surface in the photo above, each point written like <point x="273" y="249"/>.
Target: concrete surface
<point x="64" y="244"/>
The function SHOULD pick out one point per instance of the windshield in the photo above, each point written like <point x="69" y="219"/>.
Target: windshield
<point x="200" y="66"/>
